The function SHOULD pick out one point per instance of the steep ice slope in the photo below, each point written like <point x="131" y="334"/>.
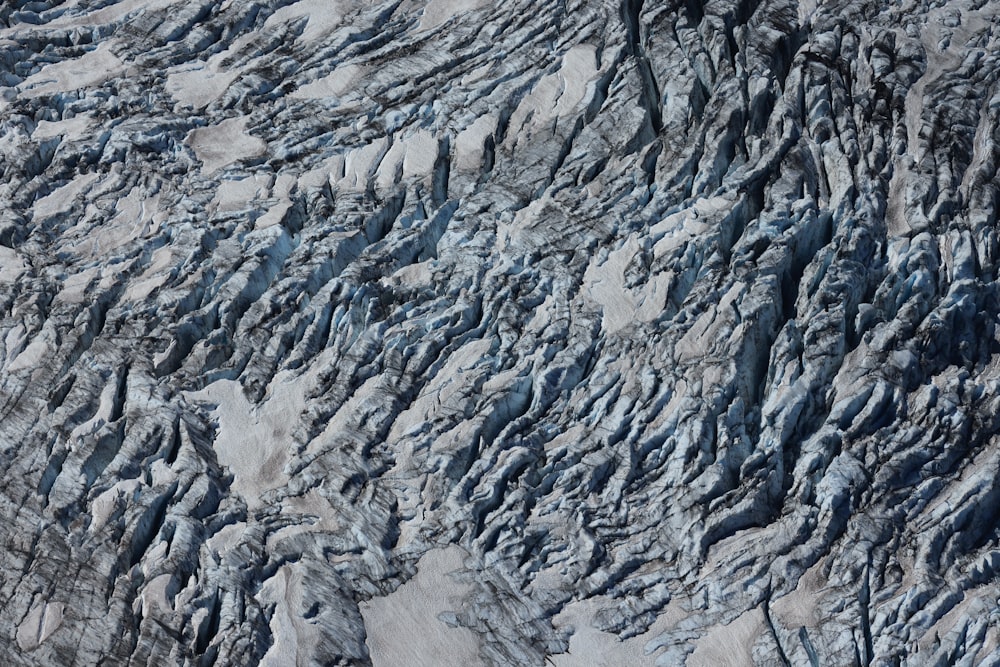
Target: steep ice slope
<point x="586" y="332"/>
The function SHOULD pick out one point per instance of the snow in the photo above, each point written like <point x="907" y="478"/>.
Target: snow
<point x="223" y="144"/>
<point x="90" y="69"/>
<point x="439" y="12"/>
<point x="404" y="629"/>
<point x="335" y="84"/>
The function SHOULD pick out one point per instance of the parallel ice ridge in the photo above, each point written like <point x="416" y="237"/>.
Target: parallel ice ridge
<point x="459" y="332"/>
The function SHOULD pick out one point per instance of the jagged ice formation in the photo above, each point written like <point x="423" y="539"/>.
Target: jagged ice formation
<point x="457" y="332"/>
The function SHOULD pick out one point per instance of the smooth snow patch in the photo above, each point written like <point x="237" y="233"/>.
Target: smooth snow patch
<point x="591" y="646"/>
<point x="136" y="217"/>
<point x="39" y="624"/>
<point x="403" y="628"/>
<point x="606" y="284"/>
<point x="410" y="156"/>
<point x="335" y="84"/>
<point x="199" y="86"/>
<point x="200" y="83"/>
<point x="11" y="265"/>
<point x="254" y="441"/>
<point x="327" y="173"/>
<point x="104" y="505"/>
<point x="677" y="230"/>
<point x="360" y="164"/>
<point x="226" y="538"/>
<point x="322" y="15"/>
<point x="154" y="276"/>
<point x="729" y="645"/>
<point x="75" y="288"/>
<point x="157" y="594"/>
<point x="90" y="69"/>
<point x="556" y="96"/>
<point x="391" y="167"/>
<point x="109" y="14"/>
<point x="800" y="608"/>
<point x="438" y="12"/>
<point x="294" y="638"/>
<point x="420" y="155"/>
<point x="282" y="190"/>
<point x="223" y="144"/>
<point x="74" y="127"/>
<point x="578" y="72"/>
<point x="242" y="193"/>
<point x="62" y="199"/>
<point x="470" y="144"/>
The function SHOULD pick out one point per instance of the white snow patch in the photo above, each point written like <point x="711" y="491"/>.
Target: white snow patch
<point x="391" y="167"/>
<point x="75" y="287"/>
<point x="421" y="153"/>
<point x="327" y="173"/>
<point x="403" y="628"/>
<point x="294" y="638"/>
<point x="42" y="620"/>
<point x="90" y="69"/>
<point x="282" y="190"/>
<point x="556" y="96"/>
<point x="470" y="144"/>
<point x="11" y="265"/>
<point x="335" y="84"/>
<point x="61" y="199"/>
<point x="360" y="164"/>
<point x="154" y="276"/>
<point x="254" y="441"/>
<point x="605" y="284"/>
<point x="577" y="74"/>
<point x="438" y="12"/>
<point x="135" y="218"/>
<point x="323" y="16"/>
<point x="74" y="127"/>
<point x="241" y="193"/>
<point x="589" y="645"/>
<point x="729" y="645"/>
<point x="157" y="594"/>
<point x="106" y="15"/>
<point x="223" y="144"/>
<point x="801" y="606"/>
<point x="200" y="85"/>
<point x="104" y="505"/>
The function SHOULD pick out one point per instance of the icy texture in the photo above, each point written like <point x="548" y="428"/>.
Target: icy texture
<point x="468" y="332"/>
